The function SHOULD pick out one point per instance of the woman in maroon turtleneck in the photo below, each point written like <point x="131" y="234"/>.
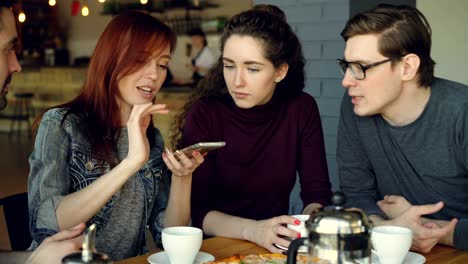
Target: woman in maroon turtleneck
<point x="253" y="100"/>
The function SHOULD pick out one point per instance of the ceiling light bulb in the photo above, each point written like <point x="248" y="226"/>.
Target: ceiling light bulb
<point x="52" y="2"/>
<point x="85" y="11"/>
<point x="22" y="17"/>
<point x="143" y="2"/>
<point x="102" y="1"/>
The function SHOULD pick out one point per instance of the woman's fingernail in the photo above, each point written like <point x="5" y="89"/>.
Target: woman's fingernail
<point x="195" y="153"/>
<point x="178" y="152"/>
<point x="168" y="151"/>
<point x="164" y="155"/>
<point x="299" y="235"/>
<point x="297" y="222"/>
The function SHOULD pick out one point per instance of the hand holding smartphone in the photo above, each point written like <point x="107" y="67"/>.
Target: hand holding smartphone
<point x="202" y="147"/>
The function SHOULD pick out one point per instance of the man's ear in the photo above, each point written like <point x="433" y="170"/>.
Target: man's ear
<point x="281" y="72"/>
<point x="410" y="63"/>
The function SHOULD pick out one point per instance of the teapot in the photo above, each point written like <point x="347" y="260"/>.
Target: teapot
<point x="87" y="255"/>
<point x="336" y="236"/>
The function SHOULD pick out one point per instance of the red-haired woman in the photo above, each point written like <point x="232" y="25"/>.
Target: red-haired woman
<point x="99" y="159"/>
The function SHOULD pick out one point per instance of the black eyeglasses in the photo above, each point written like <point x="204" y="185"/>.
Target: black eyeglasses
<point x="358" y="71"/>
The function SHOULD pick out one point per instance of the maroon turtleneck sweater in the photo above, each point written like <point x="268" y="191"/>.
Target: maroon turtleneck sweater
<point x="253" y="175"/>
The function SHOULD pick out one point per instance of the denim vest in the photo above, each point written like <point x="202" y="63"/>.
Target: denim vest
<point x="62" y="163"/>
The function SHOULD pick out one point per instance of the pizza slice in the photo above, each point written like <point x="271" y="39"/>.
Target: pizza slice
<point x="234" y="259"/>
<point x="272" y="258"/>
<point x="251" y="259"/>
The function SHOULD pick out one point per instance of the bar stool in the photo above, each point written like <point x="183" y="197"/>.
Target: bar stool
<point x="23" y="112"/>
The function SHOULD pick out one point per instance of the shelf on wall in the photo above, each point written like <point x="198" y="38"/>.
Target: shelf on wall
<point x="182" y="23"/>
<point x="115" y="7"/>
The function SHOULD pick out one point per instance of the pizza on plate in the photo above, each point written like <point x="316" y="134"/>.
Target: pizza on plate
<point x="260" y="259"/>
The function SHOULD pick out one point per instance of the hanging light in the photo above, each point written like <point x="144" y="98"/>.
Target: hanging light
<point x="143" y="2"/>
<point x="52" y="2"/>
<point x="22" y="17"/>
<point x="85" y="10"/>
<point x="102" y="1"/>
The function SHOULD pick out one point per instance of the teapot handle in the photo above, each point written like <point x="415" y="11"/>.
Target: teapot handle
<point x="294" y="247"/>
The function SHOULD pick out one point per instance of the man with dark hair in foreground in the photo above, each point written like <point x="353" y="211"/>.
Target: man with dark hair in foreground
<point x="54" y="248"/>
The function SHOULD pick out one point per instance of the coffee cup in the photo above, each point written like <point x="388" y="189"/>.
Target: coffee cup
<point x="182" y="243"/>
<point x="301" y="227"/>
<point x="391" y="243"/>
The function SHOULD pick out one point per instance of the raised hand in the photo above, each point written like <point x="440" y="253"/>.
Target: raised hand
<point x="137" y="123"/>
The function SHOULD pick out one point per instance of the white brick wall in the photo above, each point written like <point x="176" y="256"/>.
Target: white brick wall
<point x="318" y="24"/>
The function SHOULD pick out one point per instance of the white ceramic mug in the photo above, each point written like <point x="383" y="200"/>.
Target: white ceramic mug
<point x="182" y="243"/>
<point x="301" y="227"/>
<point x="391" y="243"/>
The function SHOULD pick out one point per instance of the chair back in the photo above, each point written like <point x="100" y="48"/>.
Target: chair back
<point x="15" y="210"/>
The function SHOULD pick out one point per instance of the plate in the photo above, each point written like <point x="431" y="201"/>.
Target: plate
<point x="410" y="258"/>
<point x="302" y="249"/>
<point x="162" y="258"/>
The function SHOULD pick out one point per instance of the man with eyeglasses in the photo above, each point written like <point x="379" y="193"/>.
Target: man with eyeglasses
<point x="403" y="134"/>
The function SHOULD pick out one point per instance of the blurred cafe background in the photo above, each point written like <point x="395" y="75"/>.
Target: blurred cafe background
<point x="57" y="37"/>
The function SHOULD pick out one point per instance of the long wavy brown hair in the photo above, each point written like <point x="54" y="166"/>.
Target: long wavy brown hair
<point x="267" y="24"/>
<point x="129" y="41"/>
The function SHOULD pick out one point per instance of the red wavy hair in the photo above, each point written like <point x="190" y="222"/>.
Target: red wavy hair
<point x="128" y="42"/>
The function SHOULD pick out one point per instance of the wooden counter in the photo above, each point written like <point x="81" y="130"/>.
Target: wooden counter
<point x="221" y="247"/>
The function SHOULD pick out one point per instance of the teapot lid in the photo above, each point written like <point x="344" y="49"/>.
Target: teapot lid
<point x="335" y="220"/>
<point x="87" y="255"/>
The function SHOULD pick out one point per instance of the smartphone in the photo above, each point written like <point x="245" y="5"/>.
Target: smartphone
<point x="202" y="147"/>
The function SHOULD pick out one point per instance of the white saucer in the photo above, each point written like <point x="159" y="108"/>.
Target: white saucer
<point x="410" y="258"/>
<point x="162" y="258"/>
<point x="302" y="249"/>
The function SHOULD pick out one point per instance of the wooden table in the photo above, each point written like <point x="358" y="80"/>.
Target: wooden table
<point x="221" y="247"/>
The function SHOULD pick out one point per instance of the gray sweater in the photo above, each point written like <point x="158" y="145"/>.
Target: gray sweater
<point x="425" y="161"/>
<point x="120" y="238"/>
